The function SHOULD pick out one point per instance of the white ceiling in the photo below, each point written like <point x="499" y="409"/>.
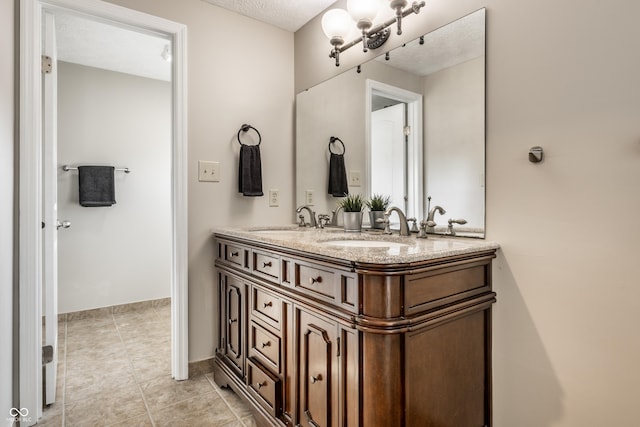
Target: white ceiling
<point x="453" y="44"/>
<point x="95" y="44"/>
<point x="289" y="15"/>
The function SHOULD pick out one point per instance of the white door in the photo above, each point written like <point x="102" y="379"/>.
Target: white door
<point x="388" y="154"/>
<point x="49" y="205"/>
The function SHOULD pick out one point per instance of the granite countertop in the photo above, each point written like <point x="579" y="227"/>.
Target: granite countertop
<point x="326" y="242"/>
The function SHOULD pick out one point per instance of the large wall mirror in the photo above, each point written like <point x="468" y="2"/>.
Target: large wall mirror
<point x="413" y="126"/>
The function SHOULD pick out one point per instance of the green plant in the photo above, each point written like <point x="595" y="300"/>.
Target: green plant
<point x="352" y="203"/>
<point x="379" y="202"/>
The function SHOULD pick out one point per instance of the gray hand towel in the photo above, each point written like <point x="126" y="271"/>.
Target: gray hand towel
<point x="250" y="171"/>
<point x="96" y="185"/>
<point x="337" y="176"/>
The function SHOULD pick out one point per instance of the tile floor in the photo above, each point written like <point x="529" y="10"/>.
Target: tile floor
<point x="114" y="369"/>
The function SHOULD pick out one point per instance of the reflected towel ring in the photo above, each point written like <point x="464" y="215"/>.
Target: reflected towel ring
<point x="245" y="128"/>
<point x="334" y="139"/>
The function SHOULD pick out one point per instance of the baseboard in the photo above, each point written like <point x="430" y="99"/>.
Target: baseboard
<point x="200" y="367"/>
<point x="96" y="313"/>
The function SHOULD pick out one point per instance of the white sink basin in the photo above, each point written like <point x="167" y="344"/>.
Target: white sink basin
<point x="364" y="244"/>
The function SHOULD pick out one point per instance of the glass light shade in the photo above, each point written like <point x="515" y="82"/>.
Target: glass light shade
<point x="337" y="23"/>
<point x="363" y="9"/>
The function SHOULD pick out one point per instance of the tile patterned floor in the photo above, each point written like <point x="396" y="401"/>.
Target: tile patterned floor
<point x="114" y="369"/>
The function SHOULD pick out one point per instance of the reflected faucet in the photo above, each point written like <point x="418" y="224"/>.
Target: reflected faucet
<point x="432" y="213"/>
<point x="334" y="216"/>
<point x="312" y="216"/>
<point x="404" y="225"/>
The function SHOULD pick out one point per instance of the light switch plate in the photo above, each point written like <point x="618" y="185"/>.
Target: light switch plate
<point x="208" y="171"/>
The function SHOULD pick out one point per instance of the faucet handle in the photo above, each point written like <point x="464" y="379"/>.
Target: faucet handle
<point x="323" y="219"/>
<point x="414" y="227"/>
<point x="455" y="221"/>
<point x="301" y="223"/>
<point x="385" y="221"/>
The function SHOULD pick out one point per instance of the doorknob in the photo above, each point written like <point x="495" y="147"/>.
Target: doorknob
<point x="63" y="224"/>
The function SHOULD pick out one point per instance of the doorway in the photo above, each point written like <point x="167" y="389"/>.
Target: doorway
<point x="33" y="157"/>
<point x="394" y="146"/>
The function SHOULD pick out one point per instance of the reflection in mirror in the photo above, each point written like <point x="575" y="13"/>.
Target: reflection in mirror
<point x="412" y="125"/>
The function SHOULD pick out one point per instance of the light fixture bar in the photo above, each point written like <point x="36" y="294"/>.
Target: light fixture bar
<point x="377" y="35"/>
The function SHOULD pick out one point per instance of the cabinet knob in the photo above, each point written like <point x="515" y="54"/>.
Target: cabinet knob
<point x="234" y="254"/>
<point x="266" y="344"/>
<point x="316" y="378"/>
<point x="267" y="304"/>
<point x="231" y="321"/>
<point x="313" y="280"/>
<point x="267" y="264"/>
<point x="262" y="384"/>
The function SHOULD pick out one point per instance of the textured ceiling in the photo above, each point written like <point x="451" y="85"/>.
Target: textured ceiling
<point x="95" y="44"/>
<point x="289" y="15"/>
<point x="455" y="43"/>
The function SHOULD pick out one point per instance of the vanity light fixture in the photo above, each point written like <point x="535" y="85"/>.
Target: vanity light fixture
<point x="338" y="23"/>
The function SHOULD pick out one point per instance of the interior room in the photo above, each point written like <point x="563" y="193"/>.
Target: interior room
<point x="559" y="340"/>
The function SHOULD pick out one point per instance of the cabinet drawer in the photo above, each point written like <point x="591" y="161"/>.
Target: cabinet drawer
<point x="235" y="254"/>
<point x="264" y="346"/>
<point x="266" y="307"/>
<point x="422" y="291"/>
<point x="266" y="265"/>
<point x="315" y="280"/>
<point x="265" y="387"/>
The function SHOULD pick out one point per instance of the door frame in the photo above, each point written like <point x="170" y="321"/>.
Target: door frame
<point x="414" y="143"/>
<point x="30" y="185"/>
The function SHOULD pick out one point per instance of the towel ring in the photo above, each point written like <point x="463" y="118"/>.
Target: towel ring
<point x="245" y="128"/>
<point x="334" y="139"/>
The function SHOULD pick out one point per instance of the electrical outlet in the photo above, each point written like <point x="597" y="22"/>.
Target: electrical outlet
<point x="354" y="178"/>
<point x="208" y="171"/>
<point x="308" y="197"/>
<point x="274" y="198"/>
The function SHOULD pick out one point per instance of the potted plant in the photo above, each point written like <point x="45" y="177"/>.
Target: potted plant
<point x="377" y="205"/>
<point x="352" y="206"/>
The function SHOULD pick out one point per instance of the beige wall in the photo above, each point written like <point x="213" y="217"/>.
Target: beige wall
<point x="239" y="71"/>
<point x="6" y="206"/>
<point x="563" y="75"/>
<point x="122" y="253"/>
<point x="454" y="141"/>
<point x="337" y="108"/>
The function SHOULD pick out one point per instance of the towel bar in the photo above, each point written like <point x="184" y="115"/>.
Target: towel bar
<point x="68" y="168"/>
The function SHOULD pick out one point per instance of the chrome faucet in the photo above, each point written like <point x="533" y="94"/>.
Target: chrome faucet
<point x="431" y="215"/>
<point x="404" y="224"/>
<point x="312" y="216"/>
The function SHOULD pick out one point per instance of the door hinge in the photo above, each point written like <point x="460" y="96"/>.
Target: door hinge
<point x="406" y="130"/>
<point x="47" y="64"/>
<point x="47" y="354"/>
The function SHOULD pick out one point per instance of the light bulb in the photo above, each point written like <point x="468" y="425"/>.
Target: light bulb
<point x="363" y="11"/>
<point x="336" y="24"/>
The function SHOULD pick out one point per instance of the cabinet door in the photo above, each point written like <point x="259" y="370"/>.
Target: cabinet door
<point x="235" y="323"/>
<point x="319" y="363"/>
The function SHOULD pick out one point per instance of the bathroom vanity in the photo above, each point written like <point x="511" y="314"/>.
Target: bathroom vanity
<point x="324" y="328"/>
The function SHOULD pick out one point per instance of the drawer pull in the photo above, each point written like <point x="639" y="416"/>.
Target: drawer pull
<point x="316" y="379"/>
<point x="267" y="264"/>
<point x="266" y="344"/>
<point x="262" y="384"/>
<point x="232" y="321"/>
<point x="232" y="254"/>
<point x="267" y="304"/>
<point x="313" y="280"/>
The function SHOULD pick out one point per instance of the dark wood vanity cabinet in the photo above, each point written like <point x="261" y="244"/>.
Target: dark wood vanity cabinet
<point x="313" y="341"/>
